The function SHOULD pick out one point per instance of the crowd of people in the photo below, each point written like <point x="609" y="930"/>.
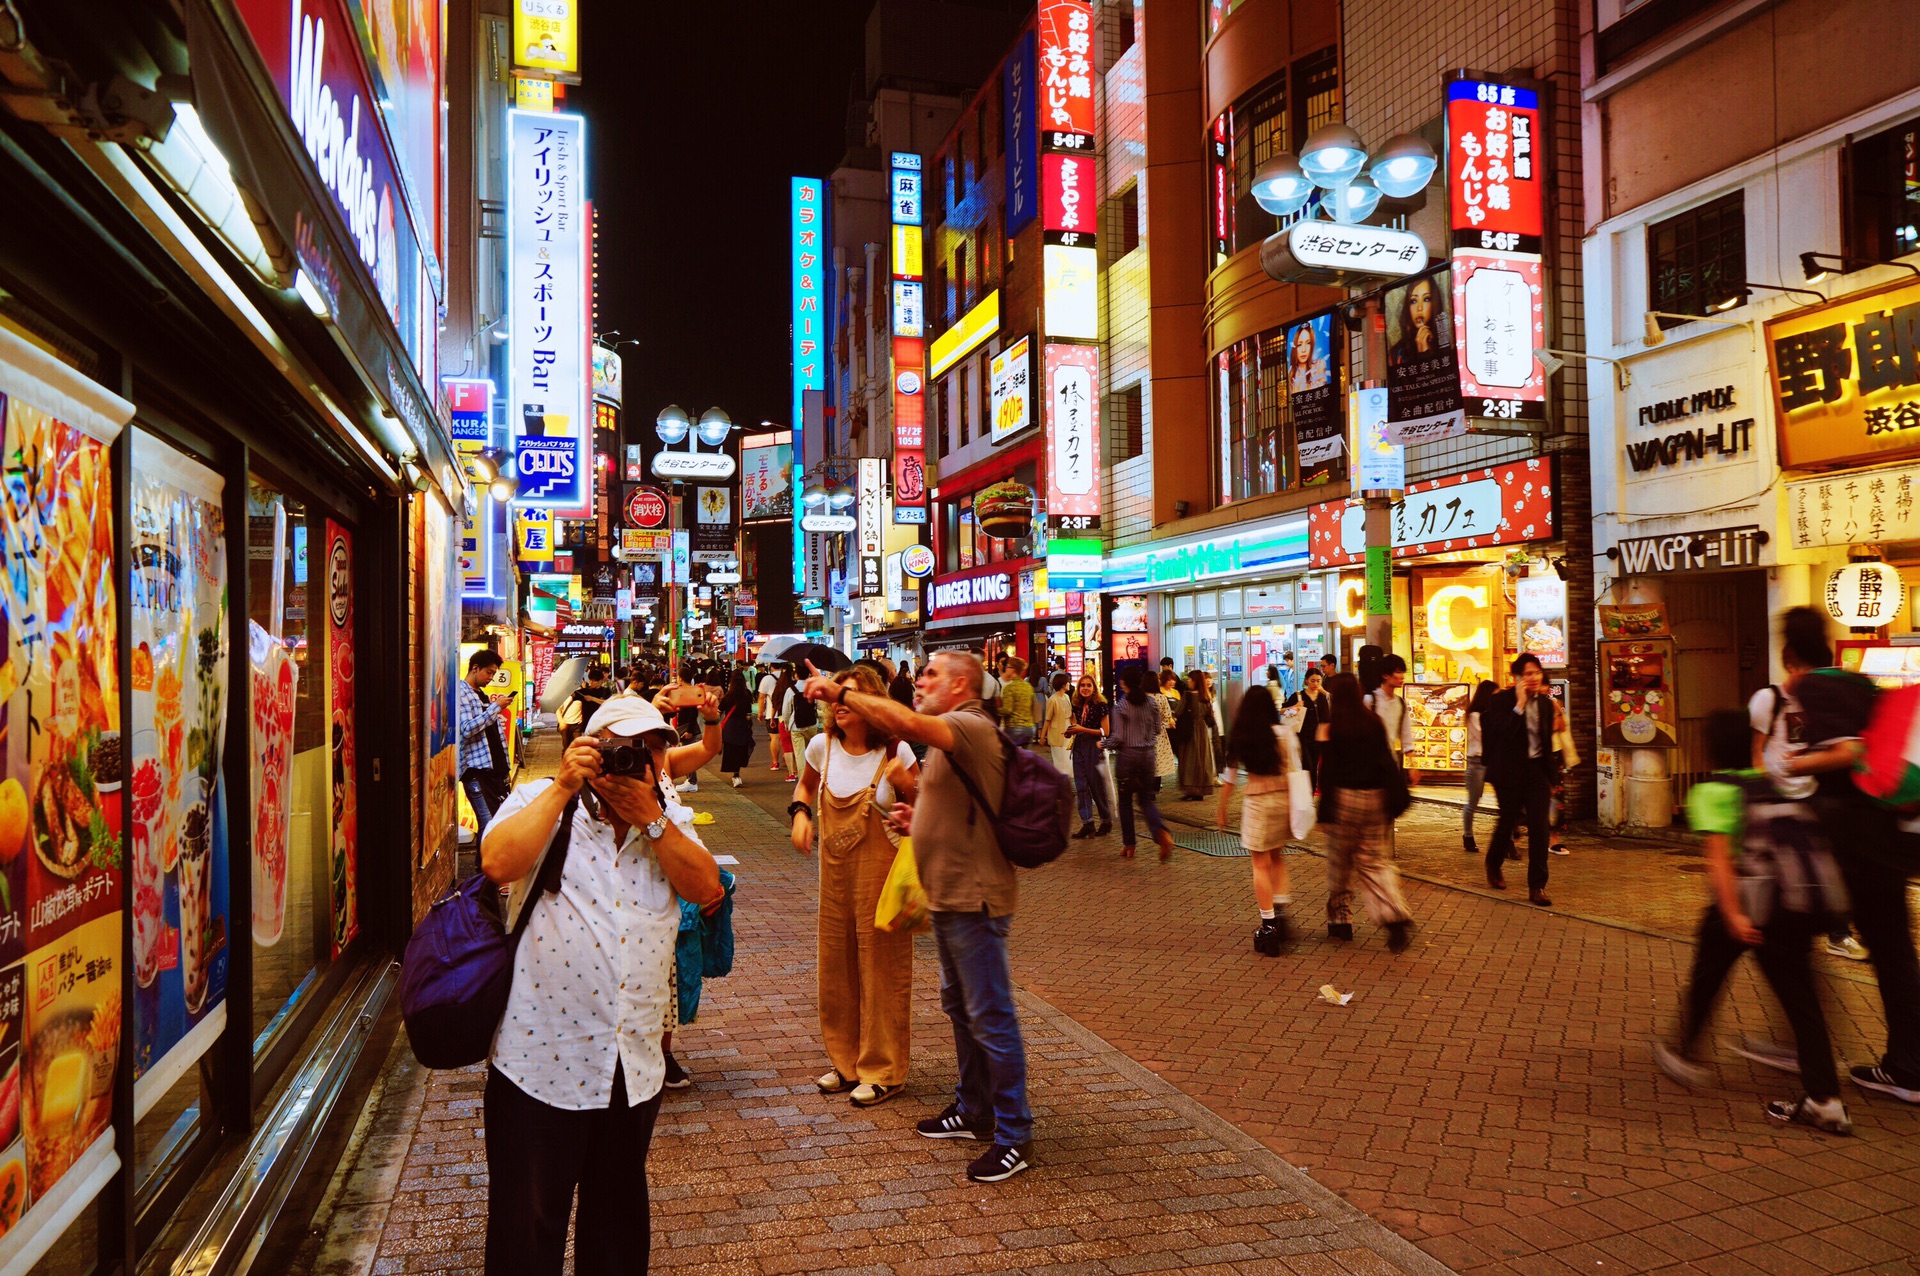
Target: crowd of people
<point x="1796" y="853"/>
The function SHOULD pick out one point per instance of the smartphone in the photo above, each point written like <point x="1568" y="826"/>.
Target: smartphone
<point x="686" y="695"/>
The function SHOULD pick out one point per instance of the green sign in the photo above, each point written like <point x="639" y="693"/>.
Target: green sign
<point x="1379" y="580"/>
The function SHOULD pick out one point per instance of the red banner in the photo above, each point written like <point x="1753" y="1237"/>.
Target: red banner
<point x="1066" y="66"/>
<point x="1478" y="509"/>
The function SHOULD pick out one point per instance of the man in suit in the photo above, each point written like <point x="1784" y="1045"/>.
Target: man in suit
<point x="1517" y="740"/>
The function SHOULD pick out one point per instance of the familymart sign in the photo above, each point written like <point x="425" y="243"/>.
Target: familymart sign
<point x="1276" y="547"/>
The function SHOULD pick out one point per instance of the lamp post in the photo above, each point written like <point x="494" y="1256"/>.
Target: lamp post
<point x="672" y="426"/>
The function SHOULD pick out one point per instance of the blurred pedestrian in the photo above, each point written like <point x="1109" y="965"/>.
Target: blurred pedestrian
<point x="1194" y="737"/>
<point x="1054" y="721"/>
<point x="736" y="728"/>
<point x="1390" y="706"/>
<point x="852" y="775"/>
<point x="1476" y="758"/>
<point x="1357" y="770"/>
<point x="1516" y="734"/>
<point x="1266" y="752"/>
<point x="1016" y="701"/>
<point x="778" y="730"/>
<point x="1773" y="894"/>
<point x="901" y="688"/>
<point x="1166" y="755"/>
<point x="1138" y="720"/>
<point x="1087" y="726"/>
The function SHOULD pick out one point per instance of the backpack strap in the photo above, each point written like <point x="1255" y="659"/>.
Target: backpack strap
<point x="1773" y="719"/>
<point x="973" y="790"/>
<point x="551" y="868"/>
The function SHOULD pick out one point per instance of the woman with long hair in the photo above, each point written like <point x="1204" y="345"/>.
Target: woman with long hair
<point x="1356" y="769"/>
<point x="1138" y="721"/>
<point x="1266" y="752"/>
<point x="1088" y="722"/>
<point x="1314" y="708"/>
<point x="1476" y="759"/>
<point x="851" y="778"/>
<point x="736" y="727"/>
<point x="1195" y="737"/>
<point x="779" y="733"/>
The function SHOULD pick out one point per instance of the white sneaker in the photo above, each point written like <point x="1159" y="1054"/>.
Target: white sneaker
<point x="1768" y="1054"/>
<point x="737" y="782"/>
<point x="1850" y="948"/>
<point x="1688" y="1072"/>
<point x="688" y="786"/>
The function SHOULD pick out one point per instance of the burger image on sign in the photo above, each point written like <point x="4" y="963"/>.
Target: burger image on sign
<point x="646" y="508"/>
<point x="1004" y="509"/>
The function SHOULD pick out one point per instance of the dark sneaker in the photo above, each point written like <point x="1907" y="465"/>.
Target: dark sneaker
<point x="1871" y="1078"/>
<point x="951" y="1125"/>
<point x="1002" y="1162"/>
<point x="1399" y="936"/>
<point x="1830" y="1115"/>
<point x="677" y="1078"/>
<point x="1266" y="940"/>
<point x="1339" y="930"/>
<point x="1106" y="827"/>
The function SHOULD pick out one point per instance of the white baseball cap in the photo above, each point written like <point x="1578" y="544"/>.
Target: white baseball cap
<point x="628" y="715"/>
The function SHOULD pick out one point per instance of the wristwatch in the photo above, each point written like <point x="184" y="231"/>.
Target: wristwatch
<point x="658" y="829"/>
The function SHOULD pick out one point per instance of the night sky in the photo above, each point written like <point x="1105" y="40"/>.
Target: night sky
<point x="697" y="114"/>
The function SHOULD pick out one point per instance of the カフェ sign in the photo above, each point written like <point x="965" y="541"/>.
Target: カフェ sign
<point x="1846" y="378"/>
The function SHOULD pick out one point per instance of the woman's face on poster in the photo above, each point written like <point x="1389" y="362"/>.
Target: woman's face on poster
<point x="1420" y="304"/>
<point x="1303" y="347"/>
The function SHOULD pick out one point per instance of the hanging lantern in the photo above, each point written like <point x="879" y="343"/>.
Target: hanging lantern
<point x="1005" y="510"/>
<point x="1865" y="595"/>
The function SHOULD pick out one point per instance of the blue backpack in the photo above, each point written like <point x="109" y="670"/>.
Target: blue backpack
<point x="458" y="967"/>
<point x="1036" y="806"/>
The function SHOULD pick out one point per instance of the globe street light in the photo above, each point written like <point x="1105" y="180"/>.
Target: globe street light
<point x="1404" y="165"/>
<point x="840" y="497"/>
<point x="1333" y="156"/>
<point x="813" y="496"/>
<point x="714" y="427"/>
<point x="1280" y="187"/>
<point x="672" y="424"/>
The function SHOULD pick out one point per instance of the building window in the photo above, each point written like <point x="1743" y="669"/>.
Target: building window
<point x="1883" y="195"/>
<point x="1123" y="229"/>
<point x="1126" y="411"/>
<point x="937" y="423"/>
<point x="966" y="404"/>
<point x="947" y="169"/>
<point x="1251" y="418"/>
<point x="1259" y="128"/>
<point x="1316" y="86"/>
<point x="1118" y="30"/>
<point x="1697" y="259"/>
<point x="962" y="286"/>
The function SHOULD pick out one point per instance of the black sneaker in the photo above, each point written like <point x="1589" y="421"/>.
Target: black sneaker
<point x="1339" y="930"/>
<point x="677" y="1078"/>
<point x="1399" y="935"/>
<point x="1266" y="940"/>
<point x="999" y="1164"/>
<point x="1872" y="1078"/>
<point x="951" y="1125"/>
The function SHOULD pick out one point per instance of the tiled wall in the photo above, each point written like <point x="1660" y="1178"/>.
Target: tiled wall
<point x="1124" y="285"/>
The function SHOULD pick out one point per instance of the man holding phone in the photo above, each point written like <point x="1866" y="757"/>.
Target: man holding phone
<point x="483" y="755"/>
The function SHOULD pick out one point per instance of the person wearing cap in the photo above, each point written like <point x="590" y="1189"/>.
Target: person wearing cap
<point x="577" y="1069"/>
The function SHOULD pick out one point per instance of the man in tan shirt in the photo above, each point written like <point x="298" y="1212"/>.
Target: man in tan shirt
<point x="970" y="887"/>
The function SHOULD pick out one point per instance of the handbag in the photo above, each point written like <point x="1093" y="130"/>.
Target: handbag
<point x="903" y="906"/>
<point x="1300" y="812"/>
<point x="458" y="967"/>
<point x="1563" y="745"/>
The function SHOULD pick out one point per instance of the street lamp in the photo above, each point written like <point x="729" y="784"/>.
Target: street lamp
<point x="672" y="424"/>
<point x="1335" y="160"/>
<point x="714" y="427"/>
<point x="813" y="496"/>
<point x="840" y="497"/>
<point x="1333" y="156"/>
<point x="1404" y="165"/>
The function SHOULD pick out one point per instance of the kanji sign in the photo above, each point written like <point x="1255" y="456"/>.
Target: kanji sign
<point x="1876" y="508"/>
<point x="1066" y="66"/>
<point x="1494" y="170"/>
<point x="1073" y="436"/>
<point x="1498" y="505"/>
<point x="1499" y="320"/>
<point x="546" y="278"/>
<point x="1846" y="378"/>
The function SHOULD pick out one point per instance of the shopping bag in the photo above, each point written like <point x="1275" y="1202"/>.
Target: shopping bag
<point x="903" y="901"/>
<point x="1563" y="745"/>
<point x="1300" y="802"/>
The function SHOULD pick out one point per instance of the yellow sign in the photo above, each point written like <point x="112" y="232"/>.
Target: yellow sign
<point x="546" y="38"/>
<point x="532" y="94"/>
<point x="974" y="327"/>
<point x="533" y="536"/>
<point x="906" y="251"/>
<point x="1350" y="602"/>
<point x="1440" y="617"/>
<point x="1846" y="379"/>
<point x="635" y="541"/>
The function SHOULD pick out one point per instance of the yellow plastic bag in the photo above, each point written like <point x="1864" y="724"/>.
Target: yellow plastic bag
<point x="903" y="901"/>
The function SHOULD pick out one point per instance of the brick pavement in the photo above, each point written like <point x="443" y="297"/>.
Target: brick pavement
<point x="754" y="1171"/>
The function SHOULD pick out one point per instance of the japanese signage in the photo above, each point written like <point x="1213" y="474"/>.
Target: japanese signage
<point x="766" y="481"/>
<point x="533" y="536"/>
<point x="1022" y="158"/>
<point x="1066" y="70"/>
<point x="909" y="304"/>
<point x="638" y="542"/>
<point x="1494" y="180"/>
<point x="1873" y="508"/>
<point x="1540" y="602"/>
<point x="806" y="240"/>
<point x="1074" y="564"/>
<point x="1497" y="505"/>
<point x="1846" y="378"/>
<point x="1010" y="371"/>
<point x="609" y="381"/>
<point x="1636" y="695"/>
<point x="1865" y="595"/>
<point x="477" y="531"/>
<point x="965" y="336"/>
<point x="1499" y="320"/>
<point x="1220" y="184"/>
<point x="1690" y="551"/>
<point x="1073" y="437"/>
<point x="712" y="523"/>
<point x="909" y="486"/>
<point x="546" y="278"/>
<point x="873" y="513"/>
<point x="1070" y="195"/>
<point x="1360" y="249"/>
<point x="1271" y="548"/>
<point x="904" y="192"/>
<point x="646" y="507"/>
<point x="470" y="404"/>
<point x="546" y="37"/>
<point x="1070" y="289"/>
<point x="1382" y="463"/>
<point x="983" y="590"/>
<point x="1423" y="378"/>
<point x="909" y="351"/>
<point x="1313" y="390"/>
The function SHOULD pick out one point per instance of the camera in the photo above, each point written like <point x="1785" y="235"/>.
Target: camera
<point x="625" y="756"/>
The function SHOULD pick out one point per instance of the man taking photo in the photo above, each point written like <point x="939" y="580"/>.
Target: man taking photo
<point x="970" y="889"/>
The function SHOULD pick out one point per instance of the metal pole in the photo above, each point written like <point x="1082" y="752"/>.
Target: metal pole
<point x="1379" y="504"/>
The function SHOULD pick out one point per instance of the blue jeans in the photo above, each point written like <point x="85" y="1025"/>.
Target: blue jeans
<point x="976" y="991"/>
<point x="1090" y="780"/>
<point x="1135" y="777"/>
<point x="477" y="798"/>
<point x="1022" y="736"/>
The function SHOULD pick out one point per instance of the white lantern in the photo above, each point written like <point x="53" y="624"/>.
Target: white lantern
<point x="1865" y="595"/>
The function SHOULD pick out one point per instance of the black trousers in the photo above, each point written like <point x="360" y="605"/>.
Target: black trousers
<point x="1783" y="959"/>
<point x="1526" y="792"/>
<point x="1868" y="845"/>
<point x="537" y="1155"/>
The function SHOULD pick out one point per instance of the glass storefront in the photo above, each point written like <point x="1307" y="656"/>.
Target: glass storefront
<point x="1235" y="632"/>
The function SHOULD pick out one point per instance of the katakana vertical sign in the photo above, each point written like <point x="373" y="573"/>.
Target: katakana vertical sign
<point x="1023" y="136"/>
<point x="546" y="274"/>
<point x="1496" y="195"/>
<point x="807" y="240"/>
<point x="1066" y="72"/>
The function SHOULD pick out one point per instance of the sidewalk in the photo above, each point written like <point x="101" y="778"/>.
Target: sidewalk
<point x="754" y="1171"/>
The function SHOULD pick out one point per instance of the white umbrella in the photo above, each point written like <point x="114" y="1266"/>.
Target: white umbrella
<point x="563" y="682"/>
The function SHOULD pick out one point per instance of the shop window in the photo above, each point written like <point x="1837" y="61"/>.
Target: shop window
<point x="965" y="413"/>
<point x="1259" y="125"/>
<point x="1127" y="412"/>
<point x="1123" y="222"/>
<point x="1252" y="422"/>
<point x="1697" y="260"/>
<point x="1883" y="194"/>
<point x="1316" y="88"/>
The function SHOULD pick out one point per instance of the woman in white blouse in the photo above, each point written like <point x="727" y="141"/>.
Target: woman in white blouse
<point x="576" y="1072"/>
<point x="866" y="974"/>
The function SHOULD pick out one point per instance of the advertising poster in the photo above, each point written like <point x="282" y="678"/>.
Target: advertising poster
<point x="1439" y="725"/>
<point x="1499" y="320"/>
<point x="1636" y="695"/>
<point x="177" y="601"/>
<point x="546" y="279"/>
<point x="1313" y="391"/>
<point x="440" y="663"/>
<point x="766" y="482"/>
<point x="1073" y="437"/>
<point x="712" y="519"/>
<point x="343" y="851"/>
<point x="1541" y="604"/>
<point x="1423" y="376"/>
<point x="62" y="828"/>
<point x="276" y="684"/>
<point x="1009" y="377"/>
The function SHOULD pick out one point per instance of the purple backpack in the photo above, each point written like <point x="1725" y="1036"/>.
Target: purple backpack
<point x="458" y="968"/>
<point x="1036" y="806"/>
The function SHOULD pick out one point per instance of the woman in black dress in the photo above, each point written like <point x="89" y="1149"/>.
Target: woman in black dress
<point x="1318" y="708"/>
<point x="736" y="727"/>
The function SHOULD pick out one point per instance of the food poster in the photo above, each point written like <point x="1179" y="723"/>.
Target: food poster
<point x="1439" y="725"/>
<point x="177" y="598"/>
<point x="343" y="844"/>
<point x="275" y="679"/>
<point x="440" y="644"/>
<point x="62" y="822"/>
<point x="1636" y="695"/>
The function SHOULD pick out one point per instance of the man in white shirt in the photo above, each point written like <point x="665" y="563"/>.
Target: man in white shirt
<point x="578" y="1063"/>
<point x="1391" y="708"/>
<point x="765" y="693"/>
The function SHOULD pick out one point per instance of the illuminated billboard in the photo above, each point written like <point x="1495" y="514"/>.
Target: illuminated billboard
<point x="546" y="282"/>
<point x="807" y="246"/>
